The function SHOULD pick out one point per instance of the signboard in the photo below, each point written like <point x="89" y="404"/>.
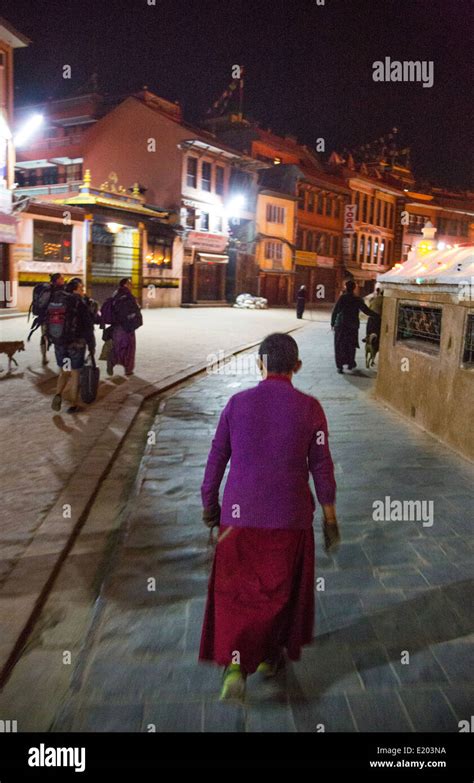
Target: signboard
<point x="7" y="228"/>
<point x="368" y="229"/>
<point x="213" y="243"/>
<point x="325" y="261"/>
<point x="350" y="212"/>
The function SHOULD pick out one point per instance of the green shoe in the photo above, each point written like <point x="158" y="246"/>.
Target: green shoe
<point x="233" y="686"/>
<point x="269" y="669"/>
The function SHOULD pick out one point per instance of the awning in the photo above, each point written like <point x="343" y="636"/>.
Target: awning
<point x="213" y="258"/>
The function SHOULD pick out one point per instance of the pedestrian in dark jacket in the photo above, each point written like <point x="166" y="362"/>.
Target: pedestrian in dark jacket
<point x="71" y="349"/>
<point x="345" y="322"/>
<point x="127" y="318"/>
<point x="301" y="301"/>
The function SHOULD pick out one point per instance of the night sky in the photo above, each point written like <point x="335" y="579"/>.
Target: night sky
<point x="308" y="67"/>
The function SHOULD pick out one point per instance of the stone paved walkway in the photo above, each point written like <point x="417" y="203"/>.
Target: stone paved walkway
<point x="394" y="588"/>
<point x="44" y="449"/>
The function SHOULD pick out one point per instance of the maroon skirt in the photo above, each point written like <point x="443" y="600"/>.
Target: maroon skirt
<point x="260" y="596"/>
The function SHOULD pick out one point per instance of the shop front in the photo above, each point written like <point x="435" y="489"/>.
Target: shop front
<point x="205" y="268"/>
<point x="117" y="223"/>
<point x="277" y="288"/>
<point x="318" y="274"/>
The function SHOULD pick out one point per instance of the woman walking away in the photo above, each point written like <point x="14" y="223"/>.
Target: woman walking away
<point x="126" y="319"/>
<point x="261" y="591"/>
<point x="301" y="301"/>
<point x="345" y="322"/>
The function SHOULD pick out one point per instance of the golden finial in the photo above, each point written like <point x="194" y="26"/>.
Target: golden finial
<point x="136" y="189"/>
<point x="87" y="180"/>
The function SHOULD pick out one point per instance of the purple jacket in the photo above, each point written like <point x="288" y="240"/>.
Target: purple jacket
<point x="274" y="436"/>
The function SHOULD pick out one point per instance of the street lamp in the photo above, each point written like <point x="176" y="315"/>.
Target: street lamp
<point x="236" y="205"/>
<point x="30" y="126"/>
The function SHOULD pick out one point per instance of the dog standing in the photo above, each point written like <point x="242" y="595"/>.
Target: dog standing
<point x="11" y="349"/>
<point x="371" y="349"/>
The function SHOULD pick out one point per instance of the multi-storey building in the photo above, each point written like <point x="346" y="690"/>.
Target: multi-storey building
<point x="313" y="254"/>
<point x="321" y="202"/>
<point x="159" y="192"/>
<point x="376" y="240"/>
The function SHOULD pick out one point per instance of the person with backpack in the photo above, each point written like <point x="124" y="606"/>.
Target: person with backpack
<point x="122" y="312"/>
<point x="42" y="293"/>
<point x="70" y="328"/>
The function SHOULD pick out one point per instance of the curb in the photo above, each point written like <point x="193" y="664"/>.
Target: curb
<point x="27" y="588"/>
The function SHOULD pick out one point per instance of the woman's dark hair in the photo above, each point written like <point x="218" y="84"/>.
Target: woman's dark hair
<point x="73" y="285"/>
<point x="124" y="281"/>
<point x="55" y="277"/>
<point x="279" y="352"/>
<point x="350" y="286"/>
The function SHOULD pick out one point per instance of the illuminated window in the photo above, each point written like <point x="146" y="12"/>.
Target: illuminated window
<point x="376" y="250"/>
<point x="190" y="218"/>
<point x="206" y="173"/>
<point x="159" y="253"/>
<point x="191" y="179"/>
<point x="369" y="250"/>
<point x="219" y="180"/>
<point x="275" y="214"/>
<point x="274" y="251"/>
<point x="361" y="248"/>
<point x="204" y="221"/>
<point x="52" y="241"/>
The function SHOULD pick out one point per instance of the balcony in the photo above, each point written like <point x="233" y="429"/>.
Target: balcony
<point x="49" y="190"/>
<point x="54" y="143"/>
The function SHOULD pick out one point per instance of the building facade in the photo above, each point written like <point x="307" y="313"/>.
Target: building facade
<point x="141" y="148"/>
<point x="218" y="195"/>
<point x="50" y="238"/>
<point x="451" y="214"/>
<point x="376" y="241"/>
<point x="10" y="39"/>
<point x="319" y="254"/>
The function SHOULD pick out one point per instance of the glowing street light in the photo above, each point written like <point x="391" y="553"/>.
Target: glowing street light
<point x="236" y="205"/>
<point x="32" y="125"/>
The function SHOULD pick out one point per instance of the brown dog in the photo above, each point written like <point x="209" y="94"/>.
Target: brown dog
<point x="371" y="350"/>
<point x="10" y="349"/>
